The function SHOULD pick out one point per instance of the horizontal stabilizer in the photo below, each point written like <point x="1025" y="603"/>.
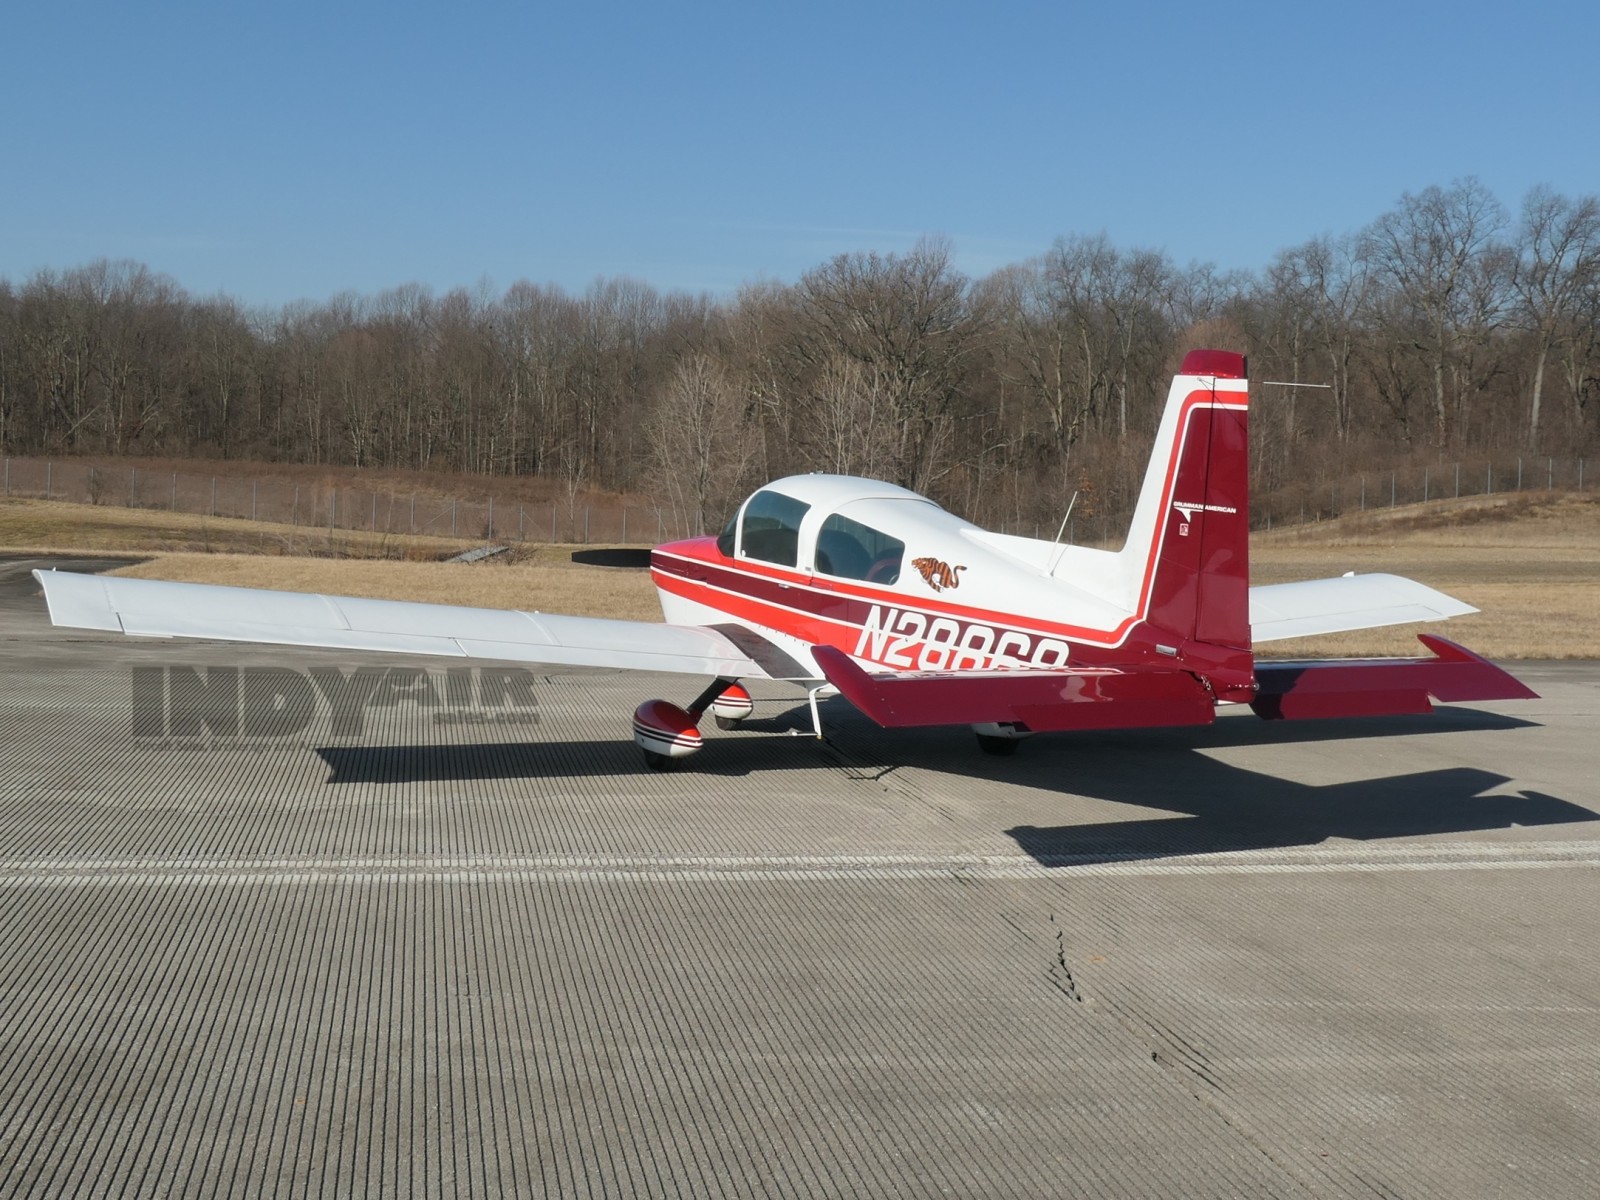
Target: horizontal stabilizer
<point x="1316" y="606"/>
<point x="1087" y="698"/>
<point x="155" y="608"/>
<point x="1295" y="691"/>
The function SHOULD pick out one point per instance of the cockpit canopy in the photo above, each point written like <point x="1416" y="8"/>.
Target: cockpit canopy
<point x="830" y="524"/>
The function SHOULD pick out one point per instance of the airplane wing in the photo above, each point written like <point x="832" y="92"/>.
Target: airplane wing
<point x="1080" y="698"/>
<point x="1287" y="610"/>
<point x="154" y="608"/>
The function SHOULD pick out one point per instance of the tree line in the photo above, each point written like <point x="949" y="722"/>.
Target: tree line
<point x="1448" y="326"/>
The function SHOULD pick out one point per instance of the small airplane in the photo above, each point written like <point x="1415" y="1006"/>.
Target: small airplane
<point x="858" y="588"/>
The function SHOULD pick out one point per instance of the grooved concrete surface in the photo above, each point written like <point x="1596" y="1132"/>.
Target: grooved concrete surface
<point x="467" y="952"/>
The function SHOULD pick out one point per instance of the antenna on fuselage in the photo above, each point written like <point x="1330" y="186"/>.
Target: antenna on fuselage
<point x="1056" y="561"/>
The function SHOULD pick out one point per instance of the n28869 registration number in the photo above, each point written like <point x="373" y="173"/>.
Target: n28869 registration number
<point x="913" y="641"/>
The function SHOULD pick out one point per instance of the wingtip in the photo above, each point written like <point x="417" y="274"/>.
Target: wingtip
<point x="1481" y="679"/>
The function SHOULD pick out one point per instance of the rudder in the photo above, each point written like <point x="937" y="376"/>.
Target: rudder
<point x="1188" y="551"/>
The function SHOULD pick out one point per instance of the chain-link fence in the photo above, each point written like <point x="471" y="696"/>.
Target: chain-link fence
<point x="1306" y="502"/>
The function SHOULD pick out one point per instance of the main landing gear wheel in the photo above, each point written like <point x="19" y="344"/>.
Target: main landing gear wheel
<point x="1001" y="738"/>
<point x="666" y="732"/>
<point x="731" y="706"/>
<point x="1003" y="746"/>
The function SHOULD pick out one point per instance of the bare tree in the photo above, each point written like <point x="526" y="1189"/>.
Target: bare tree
<point x="1558" y="257"/>
<point x="702" y="441"/>
<point x="906" y="320"/>
<point x="1138" y="306"/>
<point x="1581" y="353"/>
<point x="850" y="415"/>
<point x="1429" y="250"/>
<point x="1054" y="315"/>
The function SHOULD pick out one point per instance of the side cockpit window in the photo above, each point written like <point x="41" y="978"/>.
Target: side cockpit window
<point x="771" y="529"/>
<point x="850" y="550"/>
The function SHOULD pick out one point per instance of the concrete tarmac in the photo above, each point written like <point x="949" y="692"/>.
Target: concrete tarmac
<point x="413" y="933"/>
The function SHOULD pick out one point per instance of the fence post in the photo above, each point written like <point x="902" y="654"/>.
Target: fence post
<point x="174" y="491"/>
<point x="1580" y="474"/>
<point x="8" y="477"/>
<point x="1519" y="472"/>
<point x="1425" y="485"/>
<point x="374" y="512"/>
<point x="1391" y="489"/>
<point x="213" y="495"/>
<point x="491" y="518"/>
<point x="585" y="524"/>
<point x="294" y="513"/>
<point x="133" y="486"/>
<point x="521" y="516"/>
<point x="452" y="518"/>
<point x="624" y="524"/>
<point x="1489" y="477"/>
<point x="413" y="512"/>
<point x="1363" y="493"/>
<point x="254" y="485"/>
<point x="49" y="469"/>
<point x="1550" y="484"/>
<point x="552" y="524"/>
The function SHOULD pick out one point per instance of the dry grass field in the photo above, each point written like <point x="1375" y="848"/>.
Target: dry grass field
<point x="541" y="578"/>
<point x="53" y="526"/>
<point x="1531" y="562"/>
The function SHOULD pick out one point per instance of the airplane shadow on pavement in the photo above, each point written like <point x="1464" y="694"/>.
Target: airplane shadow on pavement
<point x="1218" y="806"/>
<point x="1232" y="809"/>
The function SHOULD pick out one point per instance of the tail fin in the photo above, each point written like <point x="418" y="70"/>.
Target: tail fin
<point x="1186" y="563"/>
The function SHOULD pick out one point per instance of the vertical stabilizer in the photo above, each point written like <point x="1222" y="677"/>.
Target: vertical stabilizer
<point x="1186" y="564"/>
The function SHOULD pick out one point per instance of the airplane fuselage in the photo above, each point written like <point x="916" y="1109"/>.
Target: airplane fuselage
<point x="881" y="625"/>
<point x="908" y="625"/>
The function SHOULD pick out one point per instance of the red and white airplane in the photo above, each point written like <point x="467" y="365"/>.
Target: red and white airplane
<point x="854" y="587"/>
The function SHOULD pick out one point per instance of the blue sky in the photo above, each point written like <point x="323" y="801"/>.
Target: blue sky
<point x="295" y="150"/>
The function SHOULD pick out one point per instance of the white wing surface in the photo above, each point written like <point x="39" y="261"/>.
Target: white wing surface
<point x="153" y="608"/>
<point x="1286" y="610"/>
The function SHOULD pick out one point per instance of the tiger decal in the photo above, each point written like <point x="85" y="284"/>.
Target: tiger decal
<point x="937" y="573"/>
